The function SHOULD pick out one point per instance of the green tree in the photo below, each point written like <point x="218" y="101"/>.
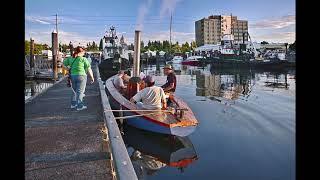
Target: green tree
<point x="26" y="47"/>
<point x="264" y="42"/>
<point x="101" y="45"/>
<point x="142" y="48"/>
<point x="185" y="47"/>
<point x="94" y="46"/>
<point x="131" y="47"/>
<point x="193" y="45"/>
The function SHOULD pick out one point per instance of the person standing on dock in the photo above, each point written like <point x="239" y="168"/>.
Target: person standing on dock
<point x="79" y="66"/>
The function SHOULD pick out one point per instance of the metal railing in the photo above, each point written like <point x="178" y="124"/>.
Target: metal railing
<point x="123" y="168"/>
<point x="41" y="63"/>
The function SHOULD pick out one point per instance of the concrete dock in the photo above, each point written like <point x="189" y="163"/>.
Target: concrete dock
<point x="62" y="143"/>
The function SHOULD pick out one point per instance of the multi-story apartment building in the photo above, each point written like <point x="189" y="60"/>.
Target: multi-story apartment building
<point x="211" y="30"/>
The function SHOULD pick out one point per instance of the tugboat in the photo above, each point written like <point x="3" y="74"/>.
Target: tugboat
<point x="228" y="51"/>
<point x="115" y="55"/>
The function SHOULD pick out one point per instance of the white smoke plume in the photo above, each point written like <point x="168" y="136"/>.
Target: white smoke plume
<point x="167" y="7"/>
<point x="143" y="11"/>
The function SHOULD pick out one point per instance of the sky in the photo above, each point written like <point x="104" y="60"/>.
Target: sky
<point x="84" y="21"/>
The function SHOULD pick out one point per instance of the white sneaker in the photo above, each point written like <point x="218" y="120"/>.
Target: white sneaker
<point x="73" y="106"/>
<point x="83" y="107"/>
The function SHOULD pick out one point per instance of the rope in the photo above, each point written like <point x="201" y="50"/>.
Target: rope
<point x="137" y="110"/>
<point x="127" y="117"/>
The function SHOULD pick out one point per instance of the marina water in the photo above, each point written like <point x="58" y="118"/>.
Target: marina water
<point x="246" y="130"/>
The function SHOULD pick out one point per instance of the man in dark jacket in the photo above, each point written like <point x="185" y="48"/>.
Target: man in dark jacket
<point x="170" y="85"/>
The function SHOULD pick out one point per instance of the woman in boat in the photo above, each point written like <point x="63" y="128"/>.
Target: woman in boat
<point x="79" y="66"/>
<point x="118" y="81"/>
<point x="152" y="97"/>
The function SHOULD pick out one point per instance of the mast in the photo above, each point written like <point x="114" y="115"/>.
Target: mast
<point x="254" y="48"/>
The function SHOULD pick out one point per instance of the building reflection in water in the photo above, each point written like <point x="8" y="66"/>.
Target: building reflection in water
<point x="229" y="84"/>
<point x="149" y="152"/>
<point x="226" y="86"/>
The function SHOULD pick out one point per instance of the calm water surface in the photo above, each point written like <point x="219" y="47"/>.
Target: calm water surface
<point x="246" y="130"/>
<point x="31" y="88"/>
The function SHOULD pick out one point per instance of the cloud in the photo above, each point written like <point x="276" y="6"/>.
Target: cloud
<point x="275" y="23"/>
<point x="277" y="37"/>
<point x="50" y="19"/>
<point x="167" y="7"/>
<point x="42" y="22"/>
<point x="38" y="19"/>
<point x="63" y="37"/>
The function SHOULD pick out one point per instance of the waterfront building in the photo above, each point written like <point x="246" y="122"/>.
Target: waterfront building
<point x="211" y="30"/>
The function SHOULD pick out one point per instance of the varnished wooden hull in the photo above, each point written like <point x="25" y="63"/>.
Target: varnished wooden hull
<point x="164" y="123"/>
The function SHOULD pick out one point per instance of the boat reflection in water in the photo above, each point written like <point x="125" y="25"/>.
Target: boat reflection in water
<point x="236" y="84"/>
<point x="150" y="151"/>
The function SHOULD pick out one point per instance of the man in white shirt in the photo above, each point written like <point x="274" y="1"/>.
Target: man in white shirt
<point x="152" y="97"/>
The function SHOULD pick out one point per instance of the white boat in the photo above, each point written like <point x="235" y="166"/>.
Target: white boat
<point x="177" y="59"/>
<point x="281" y="56"/>
<point x="114" y="48"/>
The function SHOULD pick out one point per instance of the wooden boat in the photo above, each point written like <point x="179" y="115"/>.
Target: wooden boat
<point x="174" y="151"/>
<point x="181" y="123"/>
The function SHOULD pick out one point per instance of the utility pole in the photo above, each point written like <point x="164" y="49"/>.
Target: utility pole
<point x="57" y="23"/>
<point x="170" y="34"/>
<point x="54" y="54"/>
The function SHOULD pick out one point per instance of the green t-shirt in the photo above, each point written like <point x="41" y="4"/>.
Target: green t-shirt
<point x="80" y="65"/>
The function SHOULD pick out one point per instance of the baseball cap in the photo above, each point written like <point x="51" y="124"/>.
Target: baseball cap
<point x="167" y="66"/>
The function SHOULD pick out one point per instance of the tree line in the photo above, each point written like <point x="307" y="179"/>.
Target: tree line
<point x="165" y="46"/>
<point x="37" y="47"/>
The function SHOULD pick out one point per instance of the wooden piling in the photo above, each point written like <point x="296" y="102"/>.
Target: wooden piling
<point x="136" y="60"/>
<point x="31" y="57"/>
<point x="54" y="54"/>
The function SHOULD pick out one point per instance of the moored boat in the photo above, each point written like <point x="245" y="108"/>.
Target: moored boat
<point x="181" y="122"/>
<point x="177" y="59"/>
<point x="192" y="61"/>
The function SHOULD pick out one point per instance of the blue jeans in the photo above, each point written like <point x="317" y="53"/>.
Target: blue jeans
<point x="79" y="86"/>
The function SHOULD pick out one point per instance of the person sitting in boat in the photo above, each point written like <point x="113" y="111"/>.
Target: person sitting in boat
<point x="118" y="81"/>
<point x="126" y="77"/>
<point x="152" y="96"/>
<point x="170" y="85"/>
